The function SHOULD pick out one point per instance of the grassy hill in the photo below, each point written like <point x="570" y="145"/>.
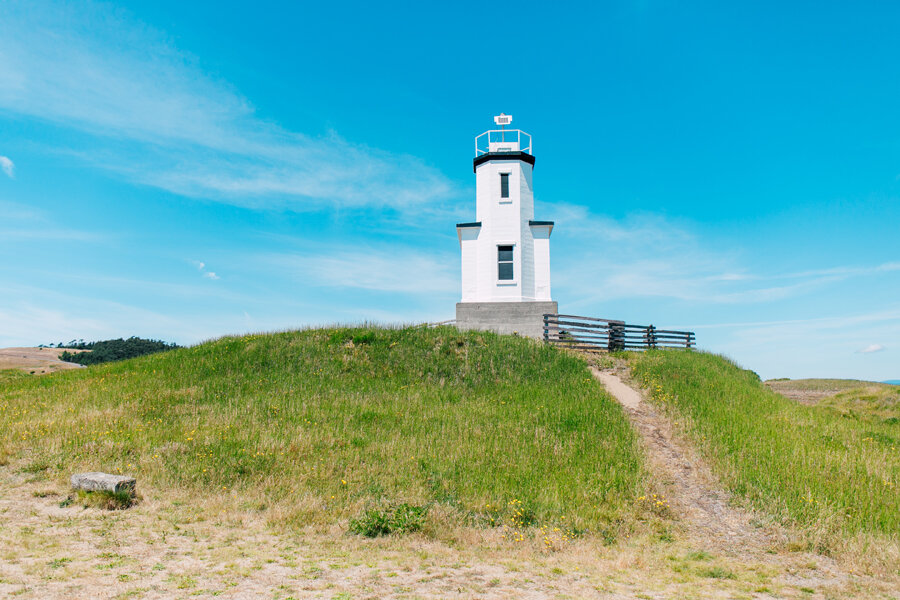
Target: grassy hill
<point x="314" y="427"/>
<point x="832" y="467"/>
<point x="863" y="400"/>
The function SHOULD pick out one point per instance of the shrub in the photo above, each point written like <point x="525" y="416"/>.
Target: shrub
<point x="400" y="519"/>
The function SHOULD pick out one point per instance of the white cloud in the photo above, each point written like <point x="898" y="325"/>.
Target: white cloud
<point x="30" y="324"/>
<point x="50" y="233"/>
<point x="201" y="266"/>
<point x="648" y="256"/>
<point x="8" y="167"/>
<point x="817" y="323"/>
<point x="20" y="222"/>
<point x="13" y="211"/>
<point x="155" y="117"/>
<point x="387" y="269"/>
<point x="808" y="347"/>
<point x="871" y="348"/>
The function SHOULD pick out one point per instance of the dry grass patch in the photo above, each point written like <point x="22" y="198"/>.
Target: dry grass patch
<point x="161" y="549"/>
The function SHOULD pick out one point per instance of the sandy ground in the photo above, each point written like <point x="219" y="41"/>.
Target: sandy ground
<point x="165" y="547"/>
<point x="802" y="395"/>
<point x="35" y="360"/>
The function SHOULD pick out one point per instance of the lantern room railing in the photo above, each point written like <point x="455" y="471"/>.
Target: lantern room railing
<point x="503" y="140"/>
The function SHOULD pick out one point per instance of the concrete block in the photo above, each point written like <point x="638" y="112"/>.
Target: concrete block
<point x="94" y="482"/>
<point x="523" y="318"/>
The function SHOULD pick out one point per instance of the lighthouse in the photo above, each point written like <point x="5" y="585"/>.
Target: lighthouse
<point x="505" y="251"/>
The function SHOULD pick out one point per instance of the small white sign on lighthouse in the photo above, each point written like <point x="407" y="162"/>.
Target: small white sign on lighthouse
<point x="505" y="251"/>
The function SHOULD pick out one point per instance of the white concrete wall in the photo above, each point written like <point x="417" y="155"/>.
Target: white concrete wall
<point x="526" y="213"/>
<point x="468" y="244"/>
<point x="505" y="221"/>
<point x="541" y="234"/>
<point x="501" y="220"/>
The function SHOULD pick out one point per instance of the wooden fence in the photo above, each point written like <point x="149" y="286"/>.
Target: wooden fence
<point x="587" y="333"/>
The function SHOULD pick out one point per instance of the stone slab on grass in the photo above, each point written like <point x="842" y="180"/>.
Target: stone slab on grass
<point x="96" y="482"/>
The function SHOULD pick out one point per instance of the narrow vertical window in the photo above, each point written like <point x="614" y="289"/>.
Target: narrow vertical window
<point x="504" y="185"/>
<point x="505" y="263"/>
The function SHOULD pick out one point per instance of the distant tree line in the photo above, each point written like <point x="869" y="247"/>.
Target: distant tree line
<point x="110" y="350"/>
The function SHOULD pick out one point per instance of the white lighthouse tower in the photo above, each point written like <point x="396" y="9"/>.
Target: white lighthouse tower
<point x="505" y="252"/>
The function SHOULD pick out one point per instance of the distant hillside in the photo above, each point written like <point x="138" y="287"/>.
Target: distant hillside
<point x="314" y="426"/>
<point x="36" y="361"/>
<point x="849" y="397"/>
<point x="94" y="353"/>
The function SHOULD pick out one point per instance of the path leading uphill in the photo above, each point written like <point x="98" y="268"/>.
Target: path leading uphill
<point x="691" y="488"/>
<point x="702" y="507"/>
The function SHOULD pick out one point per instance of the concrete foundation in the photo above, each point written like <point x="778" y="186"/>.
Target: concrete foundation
<point x="523" y="318"/>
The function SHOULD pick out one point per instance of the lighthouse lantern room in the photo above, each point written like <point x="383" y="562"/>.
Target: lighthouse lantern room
<point x="505" y="251"/>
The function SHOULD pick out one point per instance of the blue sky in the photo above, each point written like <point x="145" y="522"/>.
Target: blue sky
<point x="187" y="170"/>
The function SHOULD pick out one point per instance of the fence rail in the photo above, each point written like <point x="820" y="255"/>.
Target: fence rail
<point x="588" y="333"/>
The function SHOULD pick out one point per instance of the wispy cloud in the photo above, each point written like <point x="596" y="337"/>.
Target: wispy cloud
<point x="652" y="257"/>
<point x="8" y="167"/>
<point x="844" y="271"/>
<point x="13" y="211"/>
<point x="29" y="323"/>
<point x="382" y="269"/>
<point x="155" y="117"/>
<point x="31" y="315"/>
<point x="871" y="348"/>
<point x="21" y="222"/>
<point x="48" y="234"/>
<point x="642" y="256"/>
<point x="201" y="266"/>
<point x="835" y="346"/>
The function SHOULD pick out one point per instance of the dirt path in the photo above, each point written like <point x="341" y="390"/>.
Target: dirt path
<point x="705" y="510"/>
<point x="692" y="489"/>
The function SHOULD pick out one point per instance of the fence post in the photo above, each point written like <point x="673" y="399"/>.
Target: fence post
<point x="651" y="337"/>
<point x="546" y="329"/>
<point x="616" y="339"/>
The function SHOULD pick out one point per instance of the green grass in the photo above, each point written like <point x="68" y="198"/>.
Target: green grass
<point x="317" y="426"/>
<point x="100" y="499"/>
<point x="811" y="465"/>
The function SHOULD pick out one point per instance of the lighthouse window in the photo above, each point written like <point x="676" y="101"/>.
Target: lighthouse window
<point x="505" y="263"/>
<point x="504" y="185"/>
